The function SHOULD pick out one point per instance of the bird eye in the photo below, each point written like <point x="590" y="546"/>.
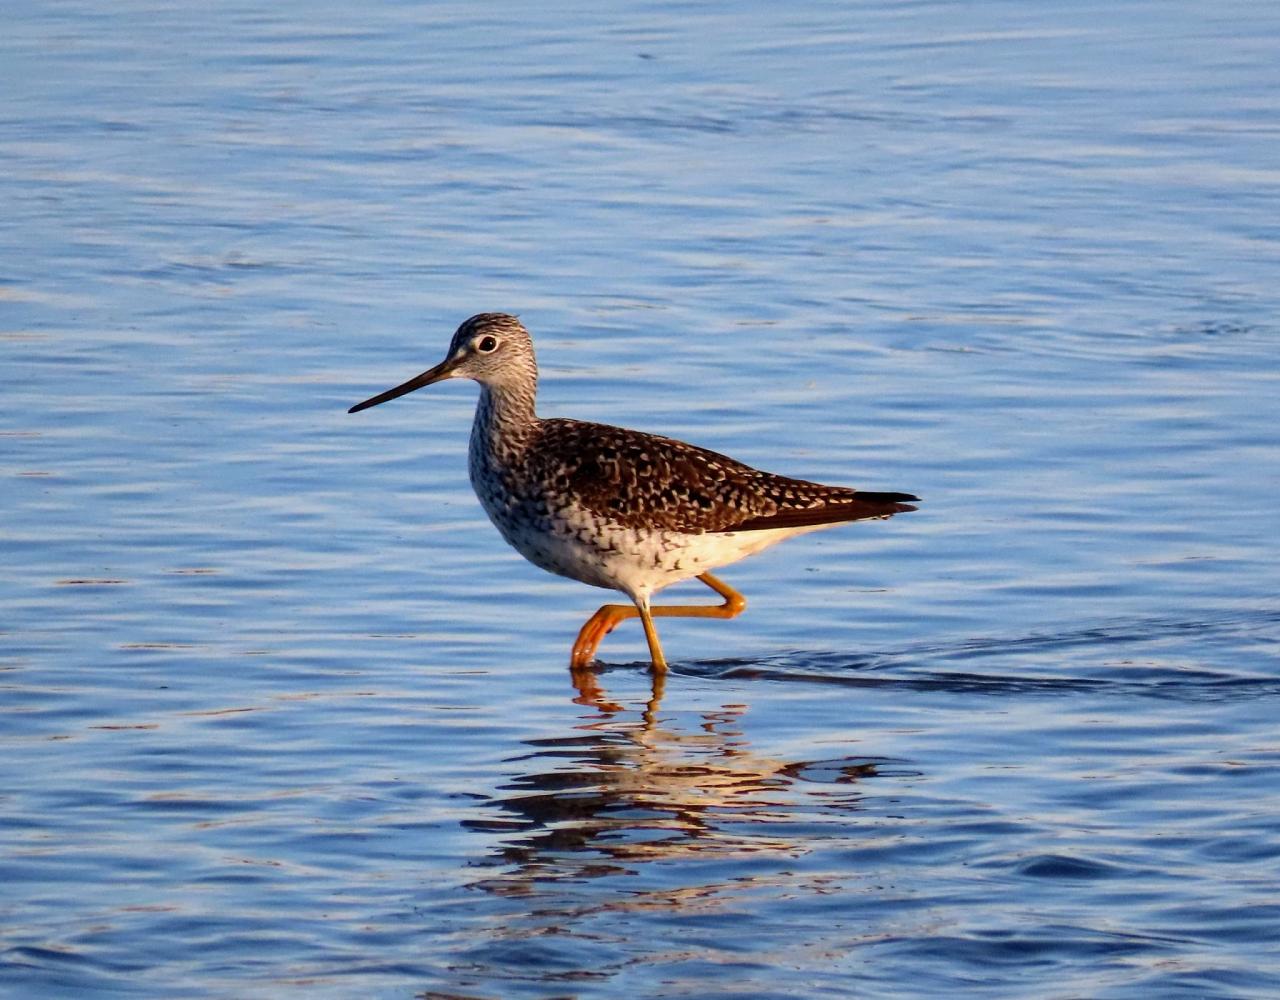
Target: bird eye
<point x="487" y="345"/>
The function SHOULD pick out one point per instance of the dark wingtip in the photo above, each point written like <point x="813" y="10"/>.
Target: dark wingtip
<point x="897" y="501"/>
<point x="859" y="506"/>
<point x="902" y="498"/>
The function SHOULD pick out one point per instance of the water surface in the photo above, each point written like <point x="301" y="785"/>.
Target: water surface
<point x="282" y="716"/>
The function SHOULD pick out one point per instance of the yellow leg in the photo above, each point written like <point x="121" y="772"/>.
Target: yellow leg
<point x="597" y="627"/>
<point x="651" y="637"/>
<point x="608" y="617"/>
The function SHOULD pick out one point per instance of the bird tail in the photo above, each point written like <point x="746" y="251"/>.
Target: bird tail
<point x="900" y="502"/>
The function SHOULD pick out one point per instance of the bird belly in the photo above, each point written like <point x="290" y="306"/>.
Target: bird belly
<point x="637" y="561"/>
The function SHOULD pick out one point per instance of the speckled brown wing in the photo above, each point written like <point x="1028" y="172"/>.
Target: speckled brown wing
<point x="644" y="480"/>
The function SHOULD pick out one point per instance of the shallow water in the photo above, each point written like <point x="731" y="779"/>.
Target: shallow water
<point x="282" y="716"/>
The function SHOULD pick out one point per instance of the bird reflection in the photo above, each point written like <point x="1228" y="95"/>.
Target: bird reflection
<point x="618" y="792"/>
<point x="607" y="839"/>
<point x="590" y="692"/>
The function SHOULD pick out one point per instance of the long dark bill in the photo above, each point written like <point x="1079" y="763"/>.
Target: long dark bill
<point x="436" y="374"/>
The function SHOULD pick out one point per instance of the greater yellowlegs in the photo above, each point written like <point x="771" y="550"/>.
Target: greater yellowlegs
<point x="618" y="508"/>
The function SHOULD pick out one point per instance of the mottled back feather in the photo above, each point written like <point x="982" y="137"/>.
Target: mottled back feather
<point x="644" y="480"/>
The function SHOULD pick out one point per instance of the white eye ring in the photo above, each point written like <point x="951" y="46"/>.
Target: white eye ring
<point x="487" y="344"/>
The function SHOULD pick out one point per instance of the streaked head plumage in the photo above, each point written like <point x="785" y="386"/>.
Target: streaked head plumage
<point x="494" y="349"/>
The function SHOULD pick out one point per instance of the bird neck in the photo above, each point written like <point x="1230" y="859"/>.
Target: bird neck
<point x="505" y="415"/>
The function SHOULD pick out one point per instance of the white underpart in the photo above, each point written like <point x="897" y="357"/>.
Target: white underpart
<point x="638" y="562"/>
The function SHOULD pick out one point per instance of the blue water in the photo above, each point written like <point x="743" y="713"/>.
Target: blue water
<point x="281" y="715"/>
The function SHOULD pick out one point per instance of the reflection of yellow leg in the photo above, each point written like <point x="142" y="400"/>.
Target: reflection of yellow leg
<point x="608" y="617"/>
<point x="591" y="693"/>
<point x="650" y="713"/>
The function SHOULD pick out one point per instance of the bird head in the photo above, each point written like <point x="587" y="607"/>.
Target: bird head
<point x="493" y="349"/>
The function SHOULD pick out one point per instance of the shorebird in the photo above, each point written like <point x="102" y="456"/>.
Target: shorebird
<point x="618" y="508"/>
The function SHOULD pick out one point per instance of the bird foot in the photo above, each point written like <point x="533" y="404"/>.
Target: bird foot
<point x="593" y="632"/>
